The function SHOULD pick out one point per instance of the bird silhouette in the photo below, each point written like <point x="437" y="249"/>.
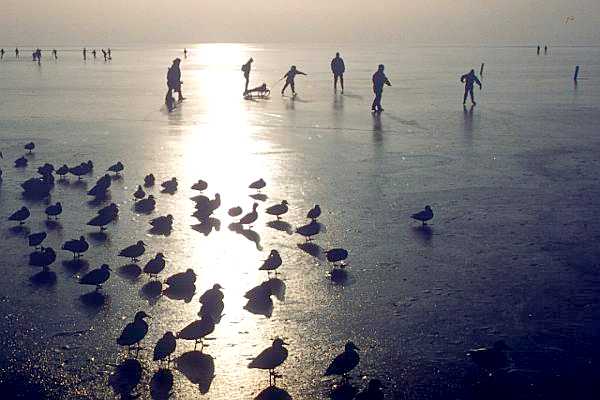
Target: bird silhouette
<point x="271" y="358"/>
<point x="170" y="186"/>
<point x="200" y="185"/>
<point x="162" y="224"/>
<point x="197" y="330"/>
<point x="96" y="277"/>
<point x="235" y="211"/>
<point x="20" y="215"/>
<point x="135" y="331"/>
<point x="155" y="266"/>
<point x="133" y="251"/>
<point x="258" y="185"/>
<point x="36" y="239"/>
<point x="29" y="147"/>
<point x="251" y="217"/>
<point x="62" y="171"/>
<point x="309" y="230"/>
<point x="146" y="205"/>
<point x="336" y="255"/>
<point x="345" y="362"/>
<point x="165" y="347"/>
<point x="272" y="262"/>
<point x="76" y="246"/>
<point x="424" y="215"/>
<point x="149" y="180"/>
<point x="116" y="168"/>
<point x="278" y="209"/>
<point x="54" y="210"/>
<point x="139" y="193"/>
<point x="314" y="213"/>
<point x="21" y="162"/>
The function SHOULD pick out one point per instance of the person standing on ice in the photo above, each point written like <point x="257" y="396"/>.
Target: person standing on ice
<point x="246" y="68"/>
<point x="338" y="68"/>
<point x="289" y="79"/>
<point x="379" y="80"/>
<point x="469" y="80"/>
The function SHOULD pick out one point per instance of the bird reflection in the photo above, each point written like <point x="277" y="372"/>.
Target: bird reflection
<point x="43" y="278"/>
<point x="281" y="226"/>
<point x="313" y="249"/>
<point x="259" y="197"/>
<point x="198" y="368"/>
<point x="181" y="286"/>
<point x="151" y="291"/>
<point x="207" y="225"/>
<point x="126" y="377"/>
<point x="98" y="237"/>
<point x="53" y="225"/>
<point x="339" y="275"/>
<point x="76" y="265"/>
<point x="273" y="393"/>
<point x="424" y="233"/>
<point x="259" y="297"/>
<point x="249" y="234"/>
<point x="93" y="299"/>
<point x="344" y="391"/>
<point x="161" y="384"/>
<point x="19" y="231"/>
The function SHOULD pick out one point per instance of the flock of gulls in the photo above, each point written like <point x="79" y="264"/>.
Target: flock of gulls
<point x="182" y="285"/>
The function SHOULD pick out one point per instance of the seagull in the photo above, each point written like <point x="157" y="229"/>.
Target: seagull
<point x="258" y="185"/>
<point x="90" y="165"/>
<point x="146" y="205"/>
<point x="309" y="230"/>
<point x="80" y="170"/>
<point x="271" y="358"/>
<point x="96" y="277"/>
<point x="43" y="258"/>
<point x="200" y="185"/>
<point x="314" y="213"/>
<point x="20" y="215"/>
<point x="149" y="180"/>
<point x="170" y="186"/>
<point x="155" y="266"/>
<point x="112" y="209"/>
<point x="62" y="171"/>
<point x="235" y="211"/>
<point x="29" y="147"/>
<point x="101" y="220"/>
<point x="251" y="217"/>
<point x="372" y="392"/>
<point x="53" y="210"/>
<point x="133" y="251"/>
<point x="139" y="193"/>
<point x="165" y="347"/>
<point x="278" y="209"/>
<point x="135" y="331"/>
<point x="336" y="255"/>
<point x="116" y="168"/>
<point x="272" y="262"/>
<point x="45" y="169"/>
<point x="345" y="362"/>
<point x="21" y="162"/>
<point x="197" y="330"/>
<point x="424" y="215"/>
<point x="35" y="239"/>
<point x="491" y="358"/>
<point x="162" y="223"/>
<point x="76" y="246"/>
<point x="212" y="296"/>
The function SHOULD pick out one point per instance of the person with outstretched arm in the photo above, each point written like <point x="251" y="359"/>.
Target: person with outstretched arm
<point x="379" y="80"/>
<point x="246" y="68"/>
<point x="289" y="79"/>
<point x="338" y="68"/>
<point x="469" y="80"/>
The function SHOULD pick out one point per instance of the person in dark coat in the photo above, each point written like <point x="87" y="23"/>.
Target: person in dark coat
<point x="379" y="80"/>
<point x="338" y="68"/>
<point x="469" y="80"/>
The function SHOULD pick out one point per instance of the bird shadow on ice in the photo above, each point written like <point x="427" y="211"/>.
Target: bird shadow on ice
<point x="19" y="230"/>
<point x="130" y="272"/>
<point x="98" y="237"/>
<point x="273" y="393"/>
<point x="93" y="302"/>
<point x="207" y="225"/>
<point x="160" y="231"/>
<point x="249" y="234"/>
<point x="198" y="368"/>
<point x="259" y="297"/>
<point x="313" y="249"/>
<point x="344" y="391"/>
<point x="53" y="225"/>
<point x="80" y="184"/>
<point x="259" y="196"/>
<point x="151" y="291"/>
<point x="423" y="233"/>
<point x="126" y="377"/>
<point x="184" y="292"/>
<point x="340" y="276"/>
<point x="99" y="200"/>
<point x="43" y="278"/>
<point x="281" y="226"/>
<point x="76" y="265"/>
<point x="161" y="384"/>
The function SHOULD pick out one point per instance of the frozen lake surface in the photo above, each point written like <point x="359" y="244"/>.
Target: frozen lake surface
<point x="512" y="253"/>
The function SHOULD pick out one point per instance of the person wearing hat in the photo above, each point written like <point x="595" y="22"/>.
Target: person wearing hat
<point x="379" y="79"/>
<point x="174" y="79"/>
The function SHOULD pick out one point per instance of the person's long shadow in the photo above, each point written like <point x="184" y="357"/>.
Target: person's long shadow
<point x="468" y="119"/>
<point x="273" y="393"/>
<point x="161" y="384"/>
<point x="198" y="368"/>
<point x="377" y="128"/>
<point x="126" y="377"/>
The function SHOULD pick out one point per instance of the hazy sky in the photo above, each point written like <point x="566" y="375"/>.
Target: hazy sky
<point x="79" y="22"/>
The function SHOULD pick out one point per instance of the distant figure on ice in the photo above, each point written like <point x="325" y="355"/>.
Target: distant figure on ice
<point x="545" y="50"/>
<point x="538" y="50"/>
<point x="379" y="80"/>
<point x="1" y="54"/>
<point x="184" y="53"/>
<point x="469" y="80"/>
<point x="104" y="54"/>
<point x="17" y="52"/>
<point x="246" y="68"/>
<point x="55" y="54"/>
<point x="94" y="53"/>
<point x="174" y="79"/>
<point x="109" y="54"/>
<point x="84" y="54"/>
<point x="38" y="56"/>
<point x="289" y="79"/>
<point x="338" y="68"/>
